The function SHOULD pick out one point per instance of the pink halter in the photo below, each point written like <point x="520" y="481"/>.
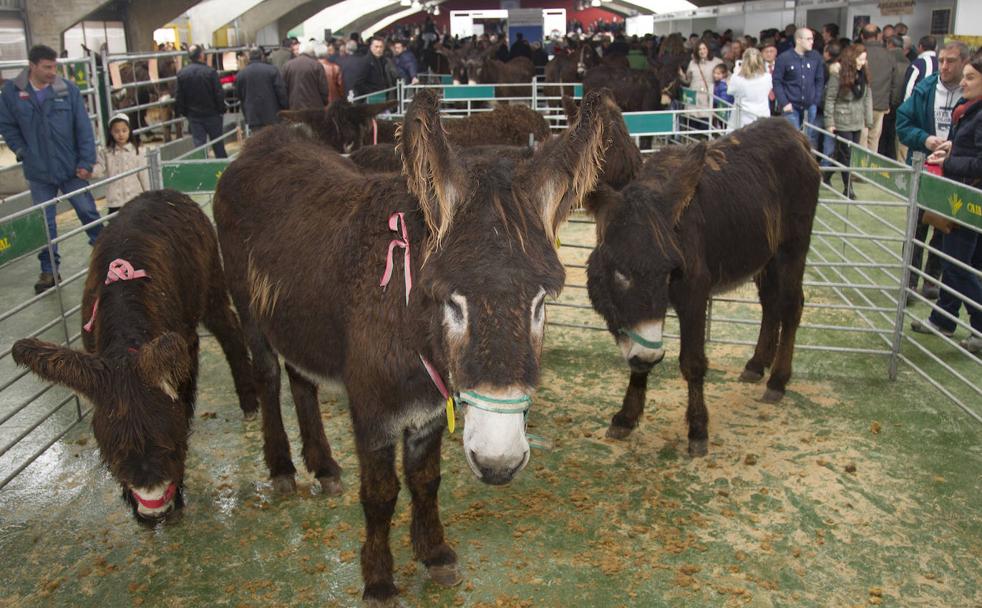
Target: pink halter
<point x="395" y="221"/>
<point x="119" y="270"/>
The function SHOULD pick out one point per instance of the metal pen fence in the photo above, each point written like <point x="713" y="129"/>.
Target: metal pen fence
<point x="856" y="282"/>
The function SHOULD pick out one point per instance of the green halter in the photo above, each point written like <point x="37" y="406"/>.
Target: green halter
<point x="640" y="340"/>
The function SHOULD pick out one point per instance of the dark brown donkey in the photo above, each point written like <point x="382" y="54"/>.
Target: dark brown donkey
<point x="155" y="274"/>
<point x="341" y="125"/>
<point x="476" y="236"/>
<point x="700" y="220"/>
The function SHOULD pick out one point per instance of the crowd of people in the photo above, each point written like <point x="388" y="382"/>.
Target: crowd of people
<point x="879" y="91"/>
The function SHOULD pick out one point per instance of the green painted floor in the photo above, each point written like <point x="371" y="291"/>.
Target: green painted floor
<point x="854" y="491"/>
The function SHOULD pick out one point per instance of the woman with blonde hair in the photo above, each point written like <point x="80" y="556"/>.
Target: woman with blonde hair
<point x="750" y="86"/>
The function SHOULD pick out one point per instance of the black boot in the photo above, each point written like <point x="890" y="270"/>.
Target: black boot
<point x="45" y="282"/>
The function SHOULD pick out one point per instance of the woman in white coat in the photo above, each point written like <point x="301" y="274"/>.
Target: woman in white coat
<point x="699" y="76"/>
<point x="750" y="87"/>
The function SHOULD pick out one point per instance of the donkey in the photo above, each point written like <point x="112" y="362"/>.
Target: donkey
<point x="141" y="361"/>
<point x="634" y="90"/>
<point x="700" y="220"/>
<point x="474" y="65"/>
<point x="342" y="125"/>
<point x="476" y="244"/>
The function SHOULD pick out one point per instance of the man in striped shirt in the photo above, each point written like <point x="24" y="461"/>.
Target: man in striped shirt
<point x="925" y="64"/>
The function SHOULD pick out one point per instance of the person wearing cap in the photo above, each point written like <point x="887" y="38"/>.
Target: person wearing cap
<point x="120" y="155"/>
<point x="44" y="122"/>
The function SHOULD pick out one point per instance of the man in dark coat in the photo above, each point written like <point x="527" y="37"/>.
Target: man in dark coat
<point x="262" y="92"/>
<point x="200" y="98"/>
<point x="520" y="48"/>
<point x="799" y="81"/>
<point x="354" y="67"/>
<point x="306" y="83"/>
<point x="382" y="73"/>
<point x="286" y="52"/>
<point x="44" y="122"/>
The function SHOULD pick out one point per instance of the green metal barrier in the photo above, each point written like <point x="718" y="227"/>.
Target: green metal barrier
<point x="688" y="96"/>
<point x="468" y="92"/>
<point x="21" y="235"/>
<point x="894" y="181"/>
<point x="193" y="176"/>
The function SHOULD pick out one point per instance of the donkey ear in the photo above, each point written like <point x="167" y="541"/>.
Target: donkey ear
<point x="565" y="170"/>
<point x="681" y="186"/>
<point x="165" y="363"/>
<point x="81" y="372"/>
<point x="600" y="203"/>
<point x="569" y="107"/>
<point x="433" y="173"/>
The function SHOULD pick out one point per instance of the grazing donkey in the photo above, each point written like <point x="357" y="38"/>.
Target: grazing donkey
<point x="700" y="220"/>
<point x="155" y="274"/>
<point x="475" y="238"/>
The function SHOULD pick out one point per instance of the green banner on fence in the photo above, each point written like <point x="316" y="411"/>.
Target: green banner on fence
<point x="21" y="235"/>
<point x="468" y="91"/>
<point x="954" y="200"/>
<point x="193" y="176"/>
<point x="577" y="91"/>
<point x="894" y="181"/>
<point x="649" y="123"/>
<point x="376" y="98"/>
<point x="688" y="96"/>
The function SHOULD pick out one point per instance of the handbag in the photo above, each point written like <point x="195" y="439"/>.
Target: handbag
<point x="940" y="222"/>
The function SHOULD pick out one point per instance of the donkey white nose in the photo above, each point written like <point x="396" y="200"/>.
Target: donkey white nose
<point x="495" y="444"/>
<point x="642" y="344"/>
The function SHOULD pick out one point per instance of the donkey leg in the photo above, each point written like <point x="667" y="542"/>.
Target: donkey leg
<point x="768" y="291"/>
<point x="316" y="449"/>
<point x="626" y="420"/>
<point x="221" y="321"/>
<point x="692" y="360"/>
<point x="792" y="301"/>
<point x="379" y="491"/>
<point x="421" y="464"/>
<point x="266" y="367"/>
<point x="189" y="389"/>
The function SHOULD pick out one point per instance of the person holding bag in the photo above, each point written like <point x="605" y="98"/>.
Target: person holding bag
<point x="960" y="159"/>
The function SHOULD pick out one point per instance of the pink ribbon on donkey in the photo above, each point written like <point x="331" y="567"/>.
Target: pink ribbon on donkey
<point x="395" y="220"/>
<point x="119" y="270"/>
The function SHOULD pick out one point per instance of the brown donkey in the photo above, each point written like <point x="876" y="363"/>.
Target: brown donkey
<point x="155" y="274"/>
<point x="700" y="220"/>
<point x="467" y="249"/>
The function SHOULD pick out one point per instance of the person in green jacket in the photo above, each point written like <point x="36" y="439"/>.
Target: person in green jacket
<point x="848" y="105"/>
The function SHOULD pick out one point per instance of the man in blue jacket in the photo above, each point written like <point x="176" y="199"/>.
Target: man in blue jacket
<point x="799" y="81"/>
<point x="45" y="123"/>
<point x="923" y="123"/>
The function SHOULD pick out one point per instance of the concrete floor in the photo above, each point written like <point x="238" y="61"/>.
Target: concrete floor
<point x="854" y="491"/>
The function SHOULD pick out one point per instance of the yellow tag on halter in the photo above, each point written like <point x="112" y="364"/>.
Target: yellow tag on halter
<point x="451" y="418"/>
<point x="558" y="244"/>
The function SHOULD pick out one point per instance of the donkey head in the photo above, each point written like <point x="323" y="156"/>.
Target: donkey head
<point x="342" y="125"/>
<point x="490" y="263"/>
<point x="140" y="416"/>
<point x="638" y="252"/>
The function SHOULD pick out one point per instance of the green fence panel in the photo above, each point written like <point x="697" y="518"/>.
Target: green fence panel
<point x="194" y="176"/>
<point x="21" y="235"/>
<point x="577" y="91"/>
<point x="954" y="200"/>
<point x="376" y="98"/>
<point x="464" y="92"/>
<point x="892" y="180"/>
<point x="649" y="123"/>
<point x="688" y="96"/>
<point x="446" y="79"/>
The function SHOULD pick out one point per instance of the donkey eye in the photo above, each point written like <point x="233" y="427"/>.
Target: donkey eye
<point x="455" y="314"/>
<point x="538" y="307"/>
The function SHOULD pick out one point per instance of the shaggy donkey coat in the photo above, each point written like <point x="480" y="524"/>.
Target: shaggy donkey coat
<point x="481" y="233"/>
<point x="341" y="125"/>
<point x="141" y="362"/>
<point x="700" y="220"/>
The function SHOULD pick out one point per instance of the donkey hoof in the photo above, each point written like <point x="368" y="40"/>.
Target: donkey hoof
<point x="772" y="396"/>
<point x="447" y="575"/>
<point x="751" y="376"/>
<point x="331" y="486"/>
<point x="618" y="432"/>
<point x="698" y="448"/>
<point x="250" y="415"/>
<point x="285" y="484"/>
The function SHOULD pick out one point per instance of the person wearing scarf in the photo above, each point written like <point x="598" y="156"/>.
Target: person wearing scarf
<point x="848" y="105"/>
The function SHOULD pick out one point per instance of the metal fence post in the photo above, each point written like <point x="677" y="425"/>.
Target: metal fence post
<point x="96" y="96"/>
<point x="898" y="324"/>
<point x="154" y="166"/>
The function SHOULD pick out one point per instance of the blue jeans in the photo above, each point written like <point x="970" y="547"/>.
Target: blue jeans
<point x="963" y="245"/>
<point x="798" y="116"/>
<point x="828" y="143"/>
<point x="84" y="206"/>
<point x="203" y="129"/>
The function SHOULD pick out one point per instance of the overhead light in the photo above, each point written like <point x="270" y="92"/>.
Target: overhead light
<point x="595" y="3"/>
<point x="436" y="10"/>
<point x="405" y="2"/>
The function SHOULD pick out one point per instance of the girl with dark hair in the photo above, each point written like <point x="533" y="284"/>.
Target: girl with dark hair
<point x="961" y="160"/>
<point x="121" y="154"/>
<point x="848" y="105"/>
